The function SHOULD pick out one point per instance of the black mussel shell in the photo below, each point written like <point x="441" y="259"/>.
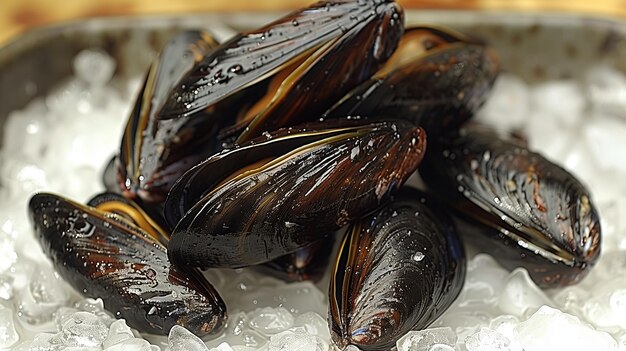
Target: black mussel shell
<point x="300" y="184"/>
<point x="398" y="270"/>
<point x="103" y="255"/>
<point x="256" y="55"/>
<point x="154" y="153"/>
<point x="308" y="263"/>
<point x="522" y="208"/>
<point x="437" y="89"/>
<point x="330" y="72"/>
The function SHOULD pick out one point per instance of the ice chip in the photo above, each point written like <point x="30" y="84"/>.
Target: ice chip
<point x="604" y="136"/>
<point x="559" y="100"/>
<point x="8" y="334"/>
<point x="507" y="106"/>
<point x="550" y="329"/>
<point x="441" y="347"/>
<point x="296" y="341"/>
<point x="487" y="340"/>
<point x="606" y="90"/>
<point x="133" y="344"/>
<point x="84" y="329"/>
<point x="181" y="339"/>
<point x="222" y="347"/>
<point x="118" y="332"/>
<point x="423" y="340"/>
<point x="313" y="324"/>
<point x="270" y="320"/>
<point x="521" y="294"/>
<point x="94" y="67"/>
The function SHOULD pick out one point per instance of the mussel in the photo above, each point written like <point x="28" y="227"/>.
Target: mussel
<point x="524" y="209"/>
<point x="398" y="269"/>
<point x="105" y="254"/>
<point x="286" y="190"/>
<point x="436" y="79"/>
<point x="282" y="74"/>
<point x="365" y="33"/>
<point x="154" y="152"/>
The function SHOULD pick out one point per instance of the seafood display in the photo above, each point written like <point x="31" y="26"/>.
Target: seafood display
<point x="259" y="150"/>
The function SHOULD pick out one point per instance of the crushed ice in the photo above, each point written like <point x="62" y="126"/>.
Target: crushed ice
<point x="52" y="145"/>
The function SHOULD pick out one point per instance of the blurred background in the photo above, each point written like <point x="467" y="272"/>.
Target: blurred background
<point x="17" y="16"/>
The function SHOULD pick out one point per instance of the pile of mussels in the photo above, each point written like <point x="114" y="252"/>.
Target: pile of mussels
<point x="258" y="150"/>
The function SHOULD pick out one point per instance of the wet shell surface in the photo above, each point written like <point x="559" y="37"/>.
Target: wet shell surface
<point x="523" y="209"/>
<point x="287" y="190"/>
<point x="398" y="270"/>
<point x="103" y="255"/>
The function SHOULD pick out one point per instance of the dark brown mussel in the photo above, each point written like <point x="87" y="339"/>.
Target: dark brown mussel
<point x="517" y="205"/>
<point x="286" y="190"/>
<point x="306" y="61"/>
<point x="154" y="152"/>
<point x="308" y="263"/>
<point x="398" y="270"/>
<point x="102" y="253"/>
<point x="437" y="79"/>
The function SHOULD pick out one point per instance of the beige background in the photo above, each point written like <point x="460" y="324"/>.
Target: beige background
<point x="17" y="16"/>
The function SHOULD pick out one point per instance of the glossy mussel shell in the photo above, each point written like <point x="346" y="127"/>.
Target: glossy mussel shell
<point x="312" y="180"/>
<point x="398" y="270"/>
<point x="436" y="79"/>
<point x="105" y="255"/>
<point x="344" y="37"/>
<point x="154" y="153"/>
<point x="523" y="209"/>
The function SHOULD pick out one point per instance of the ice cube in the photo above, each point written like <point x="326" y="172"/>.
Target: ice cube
<point x="118" y="332"/>
<point x="441" y="347"/>
<point x="296" y="341"/>
<point x="606" y="306"/>
<point x="313" y="324"/>
<point x="45" y="342"/>
<point x="84" y="329"/>
<point x="45" y="292"/>
<point x="571" y="299"/>
<point x="550" y="329"/>
<point x="133" y="344"/>
<point x="504" y="324"/>
<point x="606" y="89"/>
<point x="485" y="279"/>
<point x="487" y="340"/>
<point x="521" y="294"/>
<point x="560" y="100"/>
<point x="7" y="252"/>
<point x="507" y="106"/>
<point x="424" y="340"/>
<point x="270" y="320"/>
<point x="604" y="136"/>
<point x="8" y="334"/>
<point x="222" y="347"/>
<point x="180" y="339"/>
<point x="94" y="67"/>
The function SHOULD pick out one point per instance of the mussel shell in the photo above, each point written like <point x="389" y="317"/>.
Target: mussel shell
<point x="318" y="181"/>
<point x="308" y="263"/>
<point x="105" y="256"/>
<point x="149" y="219"/>
<point x="154" y="153"/>
<point x="529" y="211"/>
<point x="253" y="56"/>
<point x="330" y="72"/>
<point x="438" y="90"/>
<point x="398" y="270"/>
